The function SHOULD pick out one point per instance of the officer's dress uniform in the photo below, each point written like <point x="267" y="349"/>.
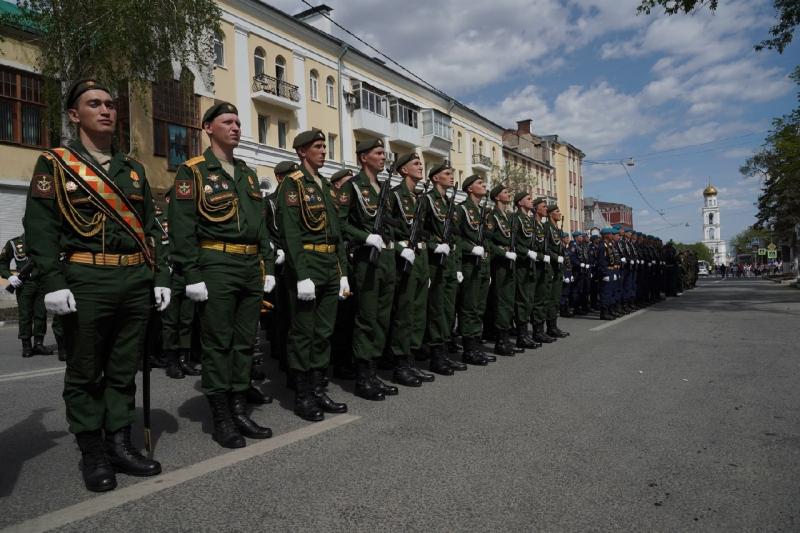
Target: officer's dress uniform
<point x="525" y="278"/>
<point x="544" y="279"/>
<point x="499" y="241"/>
<point x="276" y="321"/>
<point x="554" y="249"/>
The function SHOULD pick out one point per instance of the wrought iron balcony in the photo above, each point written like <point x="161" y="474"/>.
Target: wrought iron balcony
<point x="266" y="88"/>
<point x="479" y="160"/>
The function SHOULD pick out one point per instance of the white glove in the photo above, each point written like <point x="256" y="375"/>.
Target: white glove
<point x="269" y="283"/>
<point x="280" y="257"/>
<point x="344" y="288"/>
<point x="560" y="259"/>
<point x="546" y="258"/>
<point x="375" y="240"/>
<point x="606" y="278"/>
<point x="531" y="255"/>
<point x="442" y="249"/>
<point x="429" y="283"/>
<point x="15" y="281"/>
<point x="197" y="292"/>
<point x="624" y="260"/>
<point x="60" y="302"/>
<point x="572" y="279"/>
<point x="409" y="255"/>
<point x="477" y="251"/>
<point x="615" y="277"/>
<point x="511" y="256"/>
<point x="566" y="280"/>
<point x="583" y="265"/>
<point x="535" y="254"/>
<point x="306" y="290"/>
<point x="163" y="296"/>
<point x="459" y="277"/>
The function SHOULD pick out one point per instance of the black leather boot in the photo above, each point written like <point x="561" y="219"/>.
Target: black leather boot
<point x="471" y="355"/>
<point x="305" y="403"/>
<point x="174" y="369"/>
<point x="39" y="348"/>
<point x="423" y="376"/>
<point x="388" y="390"/>
<point x="98" y="474"/>
<point x="553" y="330"/>
<point x="539" y="335"/>
<point x="254" y="396"/>
<point x="243" y="422"/>
<point x="558" y="329"/>
<point x="125" y="458"/>
<point x="438" y="363"/>
<point x="565" y="311"/>
<point x="256" y="370"/>
<point x="62" y="350"/>
<point x="365" y="387"/>
<point x="225" y="432"/>
<point x="524" y="340"/>
<point x="455" y="365"/>
<point x="605" y="315"/>
<point x="403" y="375"/>
<point x="186" y="365"/>
<point x="346" y="372"/>
<point x="503" y="345"/>
<point x="324" y="401"/>
<point x="486" y="355"/>
<point x="453" y="346"/>
<point x="27" y="349"/>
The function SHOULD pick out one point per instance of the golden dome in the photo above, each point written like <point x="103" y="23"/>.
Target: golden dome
<point x="710" y="191"/>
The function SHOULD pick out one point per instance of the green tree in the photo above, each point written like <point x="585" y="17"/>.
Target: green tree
<point x="742" y="241"/>
<point x="516" y="176"/>
<point x="118" y="42"/>
<point x="700" y="249"/>
<point x="787" y="11"/>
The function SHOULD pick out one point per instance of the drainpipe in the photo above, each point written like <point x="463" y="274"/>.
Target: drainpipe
<point x="342" y="104"/>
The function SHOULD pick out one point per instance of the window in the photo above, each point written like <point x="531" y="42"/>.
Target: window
<point x="313" y="86"/>
<point x="710" y="234"/>
<point x="474" y="146"/>
<point x="263" y="126"/>
<point x="711" y="218"/>
<point x="282" y="130"/>
<point x="332" y="147"/>
<point x="480" y="147"/>
<point x="219" y="49"/>
<point x="259" y="61"/>
<point x="330" y="93"/>
<point x="123" y="134"/>
<point x="403" y="113"/>
<point x="436" y="123"/>
<point x="280" y="68"/>
<point x="494" y="155"/>
<point x="459" y="141"/>
<point x="176" y="122"/>
<point x="22" y="110"/>
<point x="371" y="100"/>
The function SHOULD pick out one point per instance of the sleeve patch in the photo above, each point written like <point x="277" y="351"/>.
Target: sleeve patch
<point x="42" y="186"/>
<point x="184" y="189"/>
<point x="292" y="198"/>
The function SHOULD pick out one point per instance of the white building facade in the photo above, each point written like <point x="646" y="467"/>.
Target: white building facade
<point x="712" y="230"/>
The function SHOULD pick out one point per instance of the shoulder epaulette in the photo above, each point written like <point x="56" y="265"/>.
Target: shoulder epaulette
<point x="295" y="175"/>
<point x="194" y="161"/>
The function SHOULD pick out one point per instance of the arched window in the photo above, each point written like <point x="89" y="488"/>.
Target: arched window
<point x="494" y="155"/>
<point x="330" y="92"/>
<point x="710" y="234"/>
<point x="313" y="85"/>
<point x="711" y="218"/>
<point x="219" y="49"/>
<point x="259" y="61"/>
<point x="480" y="147"/>
<point x="474" y="146"/>
<point x="459" y="142"/>
<point x="280" y="68"/>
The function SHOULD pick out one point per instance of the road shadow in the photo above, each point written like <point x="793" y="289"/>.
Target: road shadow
<point x="22" y="442"/>
<point x="161" y="422"/>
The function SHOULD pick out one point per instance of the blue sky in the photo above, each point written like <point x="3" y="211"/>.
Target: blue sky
<point x="686" y="96"/>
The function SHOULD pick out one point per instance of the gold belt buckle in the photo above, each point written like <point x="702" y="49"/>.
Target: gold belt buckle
<point x="123" y="260"/>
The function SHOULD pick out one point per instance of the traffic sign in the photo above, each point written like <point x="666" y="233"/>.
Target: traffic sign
<point x="762" y="251"/>
<point x="771" y="246"/>
<point x="772" y="254"/>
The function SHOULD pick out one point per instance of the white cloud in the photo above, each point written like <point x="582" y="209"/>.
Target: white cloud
<point x="738" y="153"/>
<point x="673" y="185"/>
<point x="687" y="197"/>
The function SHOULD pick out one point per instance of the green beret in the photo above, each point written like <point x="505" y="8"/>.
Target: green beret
<point x="345" y="172"/>
<point x="80" y="87"/>
<point x="564" y="234"/>
<point x="469" y="181"/>
<point x="405" y="159"/>
<point x="284" y="167"/>
<point x="497" y="190"/>
<point x="368" y="144"/>
<point x="551" y="208"/>
<point x="519" y="196"/>
<point x="308" y="137"/>
<point x="539" y="200"/>
<point x="439" y="168"/>
<point x="218" y="109"/>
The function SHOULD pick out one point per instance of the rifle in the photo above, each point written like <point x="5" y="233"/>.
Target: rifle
<point x="448" y="224"/>
<point x="481" y="229"/>
<point x="377" y="226"/>
<point x="24" y="275"/>
<point x="415" y="235"/>
<point x="513" y="244"/>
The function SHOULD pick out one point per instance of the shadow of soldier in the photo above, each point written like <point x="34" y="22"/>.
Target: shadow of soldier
<point x="22" y="442"/>
<point x="160" y="422"/>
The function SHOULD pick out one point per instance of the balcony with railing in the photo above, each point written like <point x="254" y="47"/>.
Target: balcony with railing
<point x="481" y="162"/>
<point x="437" y="132"/>
<point x="371" y="111"/>
<point x="277" y="92"/>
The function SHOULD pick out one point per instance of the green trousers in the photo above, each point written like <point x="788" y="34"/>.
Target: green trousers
<point x="410" y="305"/>
<point x="30" y="310"/>
<point x="441" y="298"/>
<point x="312" y="321"/>
<point x="229" y="319"/>
<point x="474" y="291"/>
<point x="541" y="296"/>
<point x="451" y="289"/>
<point x="177" y="318"/>
<point x="556" y="286"/>
<point x="525" y="288"/>
<point x="374" y="292"/>
<point x="504" y="289"/>
<point x="103" y="341"/>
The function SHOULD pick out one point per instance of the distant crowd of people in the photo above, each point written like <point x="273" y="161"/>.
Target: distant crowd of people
<point x="746" y="270"/>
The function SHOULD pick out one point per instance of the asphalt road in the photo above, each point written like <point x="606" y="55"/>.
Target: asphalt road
<point x="682" y="417"/>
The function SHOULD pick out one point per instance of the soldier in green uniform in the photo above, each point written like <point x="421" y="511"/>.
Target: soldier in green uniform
<point x="443" y="268"/>
<point x="525" y="275"/>
<point x="32" y="316"/>
<point x="90" y="224"/>
<point x="374" y="278"/>
<point x="474" y="268"/>
<point x="316" y="273"/>
<point x="503" y="263"/>
<point x="555" y="251"/>
<point x="220" y="245"/>
<point x="411" y="294"/>
<point x="544" y="271"/>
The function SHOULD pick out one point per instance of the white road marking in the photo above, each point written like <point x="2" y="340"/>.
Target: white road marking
<point x="115" y="498"/>
<point x="617" y="321"/>
<point x="32" y="374"/>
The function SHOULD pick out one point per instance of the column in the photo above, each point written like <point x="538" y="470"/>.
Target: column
<point x="241" y="53"/>
<point x="300" y="81"/>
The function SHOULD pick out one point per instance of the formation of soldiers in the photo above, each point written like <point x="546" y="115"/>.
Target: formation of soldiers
<point x="394" y="274"/>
